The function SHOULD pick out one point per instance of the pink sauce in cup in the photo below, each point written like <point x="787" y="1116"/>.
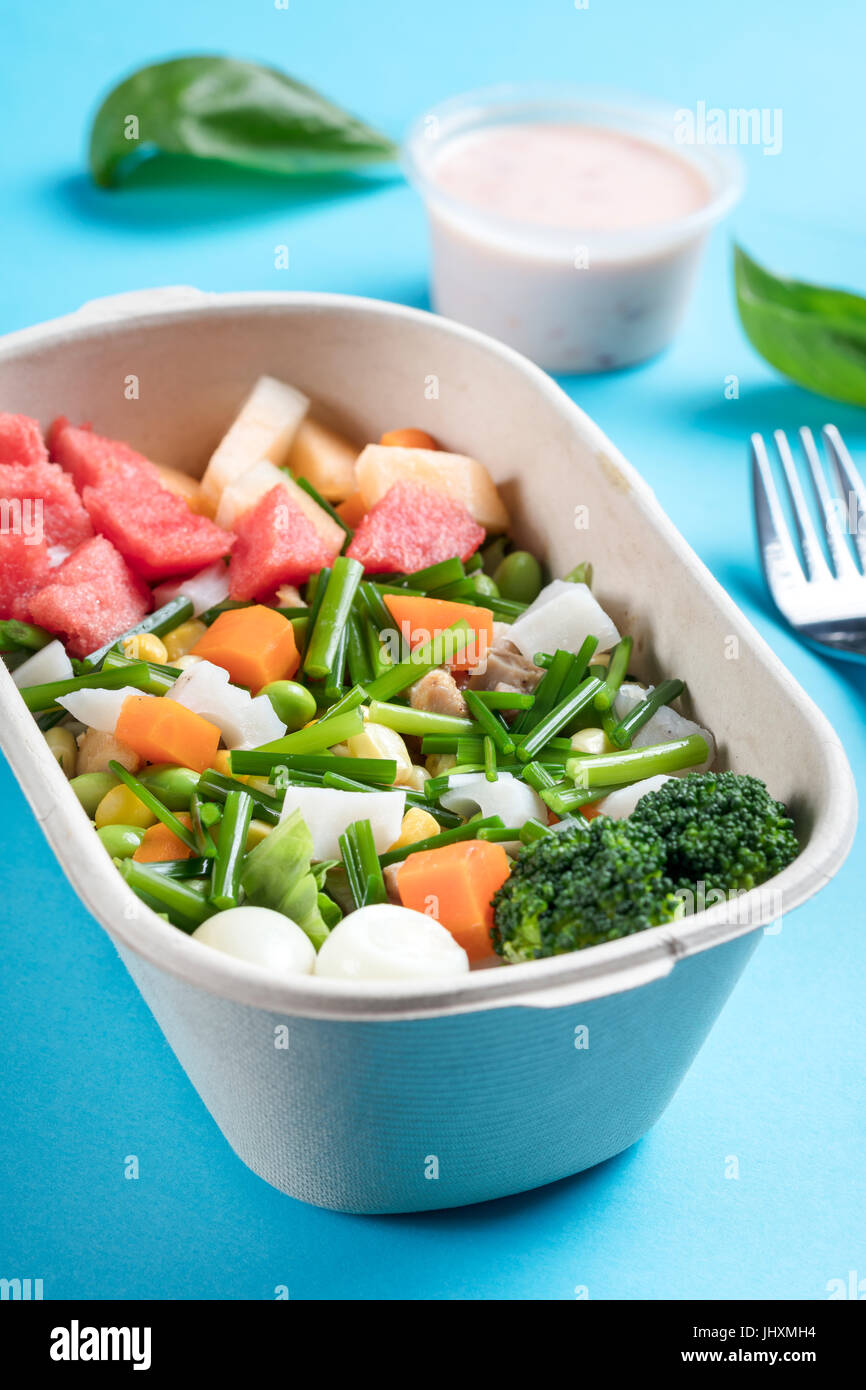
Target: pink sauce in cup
<point x="570" y="228"/>
<point x="569" y="176"/>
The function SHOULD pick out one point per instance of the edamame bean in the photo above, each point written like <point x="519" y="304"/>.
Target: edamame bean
<point x="293" y="703"/>
<point x="492" y="554"/>
<point x="519" y="576"/>
<point x="121" y="841"/>
<point x="91" y="787"/>
<point x="485" y="585"/>
<point x="174" y="785"/>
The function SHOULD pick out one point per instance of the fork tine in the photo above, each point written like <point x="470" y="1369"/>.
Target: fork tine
<point x="829" y="505"/>
<point x="810" y="545"/>
<point x="849" y="480"/>
<point x="782" y="569"/>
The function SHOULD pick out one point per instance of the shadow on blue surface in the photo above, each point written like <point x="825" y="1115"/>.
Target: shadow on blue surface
<point x="177" y="190"/>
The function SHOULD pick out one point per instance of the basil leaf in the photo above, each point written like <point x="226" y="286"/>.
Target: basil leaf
<point x="222" y="109"/>
<point x="815" y="335"/>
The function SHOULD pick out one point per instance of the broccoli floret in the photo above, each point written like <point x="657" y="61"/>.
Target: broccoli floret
<point x="581" y="886"/>
<point x="721" y="829"/>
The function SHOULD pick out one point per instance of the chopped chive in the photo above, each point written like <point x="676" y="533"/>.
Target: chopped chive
<point x="160" y="677"/>
<point x="215" y="786"/>
<point x="210" y="615"/>
<point x="435" y="576"/>
<point x="505" y="699"/>
<point x="490" y="769"/>
<point x="581" y="574"/>
<point x="181" y="868"/>
<point x="381" y="771"/>
<point x="160" y="621"/>
<point x="363" y="869"/>
<point x="498" y="836"/>
<point x="332" y="615"/>
<point x="186" y="908"/>
<point x="616" y="672"/>
<point x="636" y="763"/>
<point x="558" y="717"/>
<point x="16" y="634"/>
<point x="445" y="837"/>
<point x="204" y="842"/>
<point x="153" y="804"/>
<point x="40" y="697"/>
<point x="323" y="734"/>
<point x="546" y="692"/>
<point x="490" y="722"/>
<point x="622" y="732"/>
<point x="231" y="844"/>
<point x="426" y="657"/>
<point x="405" y="720"/>
<point x="357" y="657"/>
<point x="374" y="605"/>
<point x="351" y="700"/>
<point x="564" y="799"/>
<point x="533" y="829"/>
<point x="325" y="505"/>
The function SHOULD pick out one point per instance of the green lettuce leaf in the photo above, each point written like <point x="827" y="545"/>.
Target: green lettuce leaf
<point x="223" y="109"/>
<point x="814" y="335"/>
<point x="277" y="874"/>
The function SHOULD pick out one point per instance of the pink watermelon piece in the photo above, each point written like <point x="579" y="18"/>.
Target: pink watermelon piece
<point x="276" y="544"/>
<point x="21" y="440"/>
<point x="47" y="499"/>
<point x="24" y="568"/>
<point x="93" y="459"/>
<point x="411" y="527"/>
<point x="91" y="598"/>
<point x="154" y="530"/>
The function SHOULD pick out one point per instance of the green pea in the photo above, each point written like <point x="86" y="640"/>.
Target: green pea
<point x="519" y="576"/>
<point x="121" y="841"/>
<point x="492" y="554"/>
<point x="485" y="585"/>
<point x="91" y="787"/>
<point x="173" y="785"/>
<point x="293" y="703"/>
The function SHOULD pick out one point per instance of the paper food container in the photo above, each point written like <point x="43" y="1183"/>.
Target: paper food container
<point x="384" y="1098"/>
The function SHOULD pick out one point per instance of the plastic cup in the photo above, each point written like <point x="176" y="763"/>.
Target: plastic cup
<point x="570" y="298"/>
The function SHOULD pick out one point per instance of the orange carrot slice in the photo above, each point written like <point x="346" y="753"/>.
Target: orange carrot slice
<point x="454" y="884"/>
<point x="419" y="619"/>
<point x="160" y="843"/>
<point x="255" y="645"/>
<point x="352" y="511"/>
<point x="165" y="731"/>
<point x="409" y="439"/>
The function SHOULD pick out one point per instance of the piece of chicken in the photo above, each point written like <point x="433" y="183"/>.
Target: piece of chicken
<point x="506" y="668"/>
<point x="437" y="693"/>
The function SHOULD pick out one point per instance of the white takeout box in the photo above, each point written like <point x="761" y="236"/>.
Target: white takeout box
<point x="384" y="1098"/>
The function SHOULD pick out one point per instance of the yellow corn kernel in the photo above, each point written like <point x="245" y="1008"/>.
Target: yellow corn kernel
<point x="417" y="778"/>
<point x="378" y="741"/>
<point x="592" y="741"/>
<point x="65" y="749"/>
<point x="121" y="806"/>
<point x="417" y="825"/>
<point x="182" y="639"/>
<point x="257" y="832"/>
<point x="439" y="763"/>
<point x="601" y="659"/>
<point x="145" y="646"/>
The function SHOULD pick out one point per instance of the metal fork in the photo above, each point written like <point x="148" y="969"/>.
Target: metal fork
<point x="825" y="602"/>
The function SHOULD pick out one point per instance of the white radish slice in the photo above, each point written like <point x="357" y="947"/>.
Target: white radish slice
<point x="204" y="590"/>
<point x="242" y="495"/>
<point x="665" y="726"/>
<point x="262" y="937"/>
<point x="243" y="721"/>
<point x="99" y="709"/>
<point x="49" y="664"/>
<point x="619" y="805"/>
<point x="563" y="615"/>
<point x="264" y="428"/>
<point x="386" y="942"/>
<point x="328" y="812"/>
<point x="513" y="800"/>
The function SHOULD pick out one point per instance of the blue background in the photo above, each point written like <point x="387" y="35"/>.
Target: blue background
<point x="86" y="1076"/>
